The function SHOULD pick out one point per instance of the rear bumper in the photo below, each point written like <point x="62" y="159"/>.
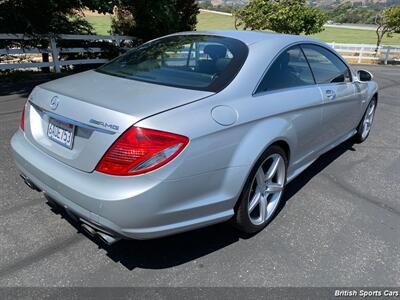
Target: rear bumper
<point x="139" y="207"/>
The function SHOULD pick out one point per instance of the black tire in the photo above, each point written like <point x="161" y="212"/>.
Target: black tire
<point x="242" y="219"/>
<point x="358" y="137"/>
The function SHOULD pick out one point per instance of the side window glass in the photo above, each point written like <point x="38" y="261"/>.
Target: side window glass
<point x="290" y="69"/>
<point x="326" y="66"/>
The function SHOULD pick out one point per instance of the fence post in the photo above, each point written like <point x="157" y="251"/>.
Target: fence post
<point x="333" y="45"/>
<point x="360" y="55"/>
<point x="119" y="45"/>
<point x="387" y="55"/>
<point x="54" y="53"/>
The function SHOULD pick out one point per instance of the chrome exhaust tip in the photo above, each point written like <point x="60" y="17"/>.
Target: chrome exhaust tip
<point x="106" y="238"/>
<point x="88" y="229"/>
<point x="29" y="183"/>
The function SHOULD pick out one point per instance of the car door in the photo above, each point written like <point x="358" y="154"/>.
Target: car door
<point x="288" y="92"/>
<point x="342" y="102"/>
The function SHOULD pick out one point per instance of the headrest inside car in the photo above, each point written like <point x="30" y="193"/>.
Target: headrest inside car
<point x="215" y="51"/>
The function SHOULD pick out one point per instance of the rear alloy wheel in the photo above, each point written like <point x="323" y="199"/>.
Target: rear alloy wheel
<point x="263" y="191"/>
<point x="365" y="125"/>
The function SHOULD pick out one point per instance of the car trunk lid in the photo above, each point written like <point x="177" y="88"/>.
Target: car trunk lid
<point x="98" y="108"/>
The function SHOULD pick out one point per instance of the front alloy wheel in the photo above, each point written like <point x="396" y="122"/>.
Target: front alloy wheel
<point x="368" y="118"/>
<point x="364" y="128"/>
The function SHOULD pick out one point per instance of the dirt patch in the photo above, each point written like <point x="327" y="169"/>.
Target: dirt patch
<point x="90" y="13"/>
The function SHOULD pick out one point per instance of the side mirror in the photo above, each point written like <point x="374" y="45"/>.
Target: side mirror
<point x="364" y="75"/>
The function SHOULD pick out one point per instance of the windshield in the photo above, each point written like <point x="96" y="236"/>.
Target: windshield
<point x="200" y="62"/>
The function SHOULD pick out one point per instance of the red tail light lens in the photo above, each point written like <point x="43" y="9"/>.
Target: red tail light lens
<point x="22" y="123"/>
<point x="141" y="150"/>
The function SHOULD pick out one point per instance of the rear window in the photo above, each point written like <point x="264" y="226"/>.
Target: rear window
<point x="200" y="62"/>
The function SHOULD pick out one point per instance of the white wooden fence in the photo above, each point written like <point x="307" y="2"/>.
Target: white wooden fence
<point x="367" y="53"/>
<point x="354" y="53"/>
<point x="55" y="51"/>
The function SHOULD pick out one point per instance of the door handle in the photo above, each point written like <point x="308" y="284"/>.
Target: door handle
<point x="330" y="94"/>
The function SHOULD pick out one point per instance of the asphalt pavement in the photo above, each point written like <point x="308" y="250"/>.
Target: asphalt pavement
<point x="339" y="227"/>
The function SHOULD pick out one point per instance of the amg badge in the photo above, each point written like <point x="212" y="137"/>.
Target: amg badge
<point x="104" y="124"/>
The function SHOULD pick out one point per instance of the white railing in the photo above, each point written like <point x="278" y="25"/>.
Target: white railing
<point x="216" y="12"/>
<point x="354" y="53"/>
<point x="367" y="53"/>
<point x="55" y="51"/>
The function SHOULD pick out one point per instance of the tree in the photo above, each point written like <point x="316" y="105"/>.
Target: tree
<point x="36" y="17"/>
<point x="283" y="16"/>
<point x="44" y="16"/>
<point x="147" y="20"/>
<point x="388" y="22"/>
<point x="346" y="12"/>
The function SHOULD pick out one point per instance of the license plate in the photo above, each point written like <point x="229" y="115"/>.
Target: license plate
<point x="61" y="133"/>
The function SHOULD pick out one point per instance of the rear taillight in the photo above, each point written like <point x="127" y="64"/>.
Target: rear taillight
<point x="141" y="150"/>
<point x="22" y="123"/>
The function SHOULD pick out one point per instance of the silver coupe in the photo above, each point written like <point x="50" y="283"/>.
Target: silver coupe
<point x="189" y="130"/>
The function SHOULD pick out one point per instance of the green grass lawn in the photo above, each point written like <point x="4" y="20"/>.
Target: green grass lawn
<point x="101" y="24"/>
<point x="208" y="21"/>
<point x="354" y="36"/>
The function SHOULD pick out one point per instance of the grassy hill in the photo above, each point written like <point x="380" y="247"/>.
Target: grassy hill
<point x="208" y="21"/>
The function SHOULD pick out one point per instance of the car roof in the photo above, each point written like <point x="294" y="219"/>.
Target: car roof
<point x="250" y="37"/>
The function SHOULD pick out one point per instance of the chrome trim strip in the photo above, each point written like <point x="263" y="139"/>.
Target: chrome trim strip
<point x="67" y="120"/>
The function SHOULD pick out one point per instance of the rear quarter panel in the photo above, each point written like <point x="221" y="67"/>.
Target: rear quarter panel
<point x="214" y="147"/>
<point x="260" y="122"/>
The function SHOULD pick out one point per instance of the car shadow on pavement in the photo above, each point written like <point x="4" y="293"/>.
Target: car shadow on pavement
<point x="181" y="248"/>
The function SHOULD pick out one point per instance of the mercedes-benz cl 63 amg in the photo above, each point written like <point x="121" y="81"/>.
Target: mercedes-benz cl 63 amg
<point x="189" y="130"/>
